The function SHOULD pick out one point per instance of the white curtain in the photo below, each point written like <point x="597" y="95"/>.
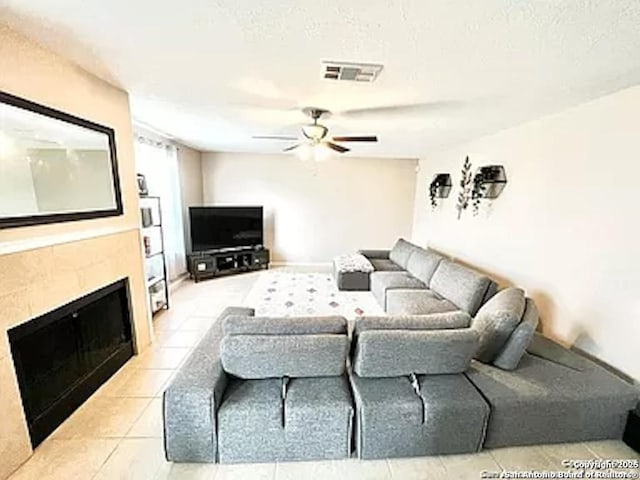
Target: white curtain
<point x="158" y="162"/>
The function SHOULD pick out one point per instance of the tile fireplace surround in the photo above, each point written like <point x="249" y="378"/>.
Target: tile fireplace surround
<point x="36" y="281"/>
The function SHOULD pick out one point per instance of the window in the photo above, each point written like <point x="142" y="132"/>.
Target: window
<point x="158" y="162"/>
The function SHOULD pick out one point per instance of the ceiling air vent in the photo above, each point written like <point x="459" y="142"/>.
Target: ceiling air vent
<point x="356" y="72"/>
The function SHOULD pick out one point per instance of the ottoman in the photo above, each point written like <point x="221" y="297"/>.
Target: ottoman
<point x="351" y="271"/>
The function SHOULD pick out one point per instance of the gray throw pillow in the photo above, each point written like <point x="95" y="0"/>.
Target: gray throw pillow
<point x="496" y="321"/>
<point x="513" y="350"/>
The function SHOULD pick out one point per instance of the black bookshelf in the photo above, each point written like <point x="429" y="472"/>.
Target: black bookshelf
<point x="155" y="260"/>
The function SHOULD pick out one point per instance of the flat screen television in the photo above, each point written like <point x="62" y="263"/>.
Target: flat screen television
<point x="217" y="228"/>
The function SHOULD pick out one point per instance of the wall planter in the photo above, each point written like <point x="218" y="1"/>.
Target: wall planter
<point x="488" y="183"/>
<point x="440" y="187"/>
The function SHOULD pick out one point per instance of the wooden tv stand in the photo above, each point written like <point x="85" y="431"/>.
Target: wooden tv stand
<point x="203" y="265"/>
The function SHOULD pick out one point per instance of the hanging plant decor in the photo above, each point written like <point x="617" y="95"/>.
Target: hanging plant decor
<point x="465" y="187"/>
<point x="488" y="183"/>
<point x="477" y="192"/>
<point x="432" y="196"/>
<point x="439" y="188"/>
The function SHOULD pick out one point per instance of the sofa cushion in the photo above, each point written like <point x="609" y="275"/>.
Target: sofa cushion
<point x="403" y="301"/>
<point x="312" y="422"/>
<point x="514" y="348"/>
<point x="401" y="252"/>
<point x="385" y="265"/>
<point x="423" y="263"/>
<point x="496" y="321"/>
<point x="390" y="353"/>
<point x="238" y="324"/>
<point x="460" y="285"/>
<point x="382" y="281"/>
<point x="434" y="321"/>
<point x="393" y="420"/>
<point x="551" y="402"/>
<point x="268" y="356"/>
<point x="543" y="347"/>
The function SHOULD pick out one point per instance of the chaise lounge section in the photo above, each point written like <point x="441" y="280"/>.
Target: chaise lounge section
<point x="555" y="395"/>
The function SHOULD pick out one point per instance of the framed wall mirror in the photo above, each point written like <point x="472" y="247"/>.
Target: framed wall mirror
<point x="54" y="167"/>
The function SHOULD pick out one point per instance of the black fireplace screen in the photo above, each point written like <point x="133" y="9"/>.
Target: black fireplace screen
<point x="63" y="356"/>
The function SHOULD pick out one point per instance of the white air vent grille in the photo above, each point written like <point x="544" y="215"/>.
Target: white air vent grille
<point x="355" y="72"/>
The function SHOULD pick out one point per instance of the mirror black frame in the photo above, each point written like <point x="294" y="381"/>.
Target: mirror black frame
<point x="30" y="220"/>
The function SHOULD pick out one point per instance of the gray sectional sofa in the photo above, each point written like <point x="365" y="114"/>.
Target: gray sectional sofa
<point x="453" y="367"/>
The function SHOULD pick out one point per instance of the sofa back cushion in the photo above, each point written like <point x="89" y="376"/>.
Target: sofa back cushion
<point x="460" y="285"/>
<point x="261" y="347"/>
<point x="496" y="321"/>
<point x="423" y="263"/>
<point x="244" y="324"/>
<point x="509" y="357"/>
<point x="434" y="321"/>
<point x="392" y="353"/>
<point x="272" y="356"/>
<point x="401" y="252"/>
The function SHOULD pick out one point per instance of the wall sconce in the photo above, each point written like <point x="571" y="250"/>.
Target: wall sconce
<point x="440" y="187"/>
<point x="488" y="183"/>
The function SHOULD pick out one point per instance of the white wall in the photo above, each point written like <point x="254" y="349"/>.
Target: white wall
<point x="314" y="211"/>
<point x="566" y="227"/>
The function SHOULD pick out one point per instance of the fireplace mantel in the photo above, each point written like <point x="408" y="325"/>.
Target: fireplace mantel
<point x="39" y="280"/>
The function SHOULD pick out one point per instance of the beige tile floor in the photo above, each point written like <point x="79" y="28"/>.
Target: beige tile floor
<point x="117" y="433"/>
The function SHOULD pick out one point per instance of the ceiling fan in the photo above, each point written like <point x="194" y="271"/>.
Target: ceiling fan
<point x="316" y="134"/>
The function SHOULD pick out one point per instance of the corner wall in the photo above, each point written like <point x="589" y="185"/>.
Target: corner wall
<point x="44" y="267"/>
<point x="566" y="227"/>
<point x="316" y="210"/>
<point x="190" y="169"/>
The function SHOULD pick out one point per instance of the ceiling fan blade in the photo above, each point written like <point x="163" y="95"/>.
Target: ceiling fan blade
<point x="337" y="148"/>
<point x="274" y="137"/>
<point x="292" y="147"/>
<point x="405" y="108"/>
<point x="366" y="138"/>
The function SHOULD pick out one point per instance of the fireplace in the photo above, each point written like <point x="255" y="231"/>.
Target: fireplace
<point x="63" y="356"/>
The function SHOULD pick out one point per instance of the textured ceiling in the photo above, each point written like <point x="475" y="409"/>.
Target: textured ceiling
<point x="212" y="73"/>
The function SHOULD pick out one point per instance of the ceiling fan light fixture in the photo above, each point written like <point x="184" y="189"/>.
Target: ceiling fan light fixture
<point x="314" y="152"/>
<point x="305" y="152"/>
<point x="314" y="131"/>
<point x="322" y="153"/>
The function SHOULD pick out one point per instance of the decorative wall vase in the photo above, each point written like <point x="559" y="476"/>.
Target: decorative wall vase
<point x="488" y="183"/>
<point x="440" y="187"/>
<point x="465" y="187"/>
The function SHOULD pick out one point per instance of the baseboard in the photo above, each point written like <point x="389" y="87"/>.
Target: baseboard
<point x="178" y="282"/>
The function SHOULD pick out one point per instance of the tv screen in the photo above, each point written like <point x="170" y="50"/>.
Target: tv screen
<point x="214" y="228"/>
